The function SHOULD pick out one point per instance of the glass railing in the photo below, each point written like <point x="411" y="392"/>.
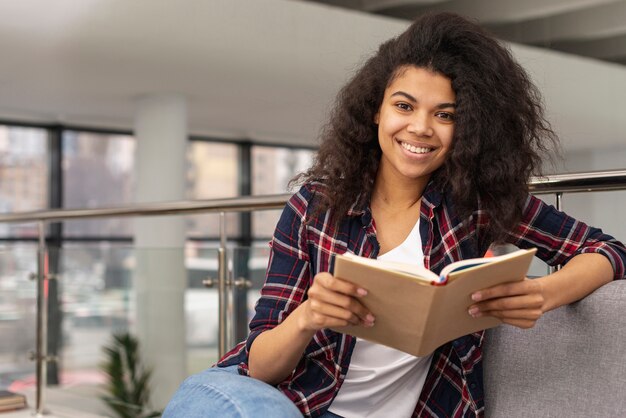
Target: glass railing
<point x="98" y="289"/>
<point x="18" y="294"/>
<point x="94" y="295"/>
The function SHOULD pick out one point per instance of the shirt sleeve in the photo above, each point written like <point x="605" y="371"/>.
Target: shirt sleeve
<point x="287" y="278"/>
<point x="559" y="237"/>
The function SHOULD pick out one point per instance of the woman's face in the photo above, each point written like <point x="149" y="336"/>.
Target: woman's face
<point x="415" y="125"/>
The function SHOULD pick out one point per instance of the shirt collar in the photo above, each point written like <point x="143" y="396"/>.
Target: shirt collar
<point x="359" y="207"/>
<point x="433" y="194"/>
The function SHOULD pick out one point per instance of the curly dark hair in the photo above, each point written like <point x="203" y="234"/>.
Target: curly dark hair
<point x="500" y="129"/>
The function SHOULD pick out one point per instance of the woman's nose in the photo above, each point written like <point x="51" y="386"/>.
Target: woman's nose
<point x="420" y="125"/>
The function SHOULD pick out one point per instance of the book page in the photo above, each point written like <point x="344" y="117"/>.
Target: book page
<point x="416" y="271"/>
<point x="471" y="263"/>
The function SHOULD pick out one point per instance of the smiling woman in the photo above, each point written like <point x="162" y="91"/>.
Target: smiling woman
<point x="425" y="160"/>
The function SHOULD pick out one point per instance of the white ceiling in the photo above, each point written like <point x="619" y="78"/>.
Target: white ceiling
<point x="574" y="26"/>
<point x="264" y="70"/>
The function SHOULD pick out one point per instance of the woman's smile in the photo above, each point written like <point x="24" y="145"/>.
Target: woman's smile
<point x="416" y="149"/>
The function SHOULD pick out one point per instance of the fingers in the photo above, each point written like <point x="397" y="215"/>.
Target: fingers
<point x="520" y="323"/>
<point x="326" y="315"/>
<point x="330" y="282"/>
<point x="525" y="314"/>
<point x="334" y="302"/>
<point x="533" y="301"/>
<point x="524" y="287"/>
<point x="524" y="318"/>
<point x="519" y="304"/>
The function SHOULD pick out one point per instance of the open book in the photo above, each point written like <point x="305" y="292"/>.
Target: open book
<point x="416" y="310"/>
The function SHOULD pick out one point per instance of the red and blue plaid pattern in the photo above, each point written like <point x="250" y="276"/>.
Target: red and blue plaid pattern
<point x="304" y="243"/>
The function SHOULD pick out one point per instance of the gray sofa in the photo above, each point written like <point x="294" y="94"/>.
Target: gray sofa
<point x="571" y="364"/>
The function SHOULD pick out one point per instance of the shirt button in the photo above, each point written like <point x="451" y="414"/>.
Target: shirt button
<point x="472" y="385"/>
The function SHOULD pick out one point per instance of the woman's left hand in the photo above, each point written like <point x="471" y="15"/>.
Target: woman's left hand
<point x="520" y="303"/>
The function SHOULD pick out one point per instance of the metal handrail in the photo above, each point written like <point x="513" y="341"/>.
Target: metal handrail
<point x="236" y="204"/>
<point x="592" y="181"/>
<point x="557" y="184"/>
<point x="554" y="183"/>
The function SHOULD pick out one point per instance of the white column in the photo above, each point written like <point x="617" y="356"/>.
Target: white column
<point x="160" y="276"/>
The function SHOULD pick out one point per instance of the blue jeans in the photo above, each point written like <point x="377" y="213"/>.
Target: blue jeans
<point x="222" y="392"/>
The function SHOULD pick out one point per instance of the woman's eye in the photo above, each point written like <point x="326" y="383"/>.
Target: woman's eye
<point x="403" y="106"/>
<point x="446" y="116"/>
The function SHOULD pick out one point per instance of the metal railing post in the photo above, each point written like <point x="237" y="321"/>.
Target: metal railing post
<point x="222" y="287"/>
<point x="41" y="351"/>
<point x="558" y="204"/>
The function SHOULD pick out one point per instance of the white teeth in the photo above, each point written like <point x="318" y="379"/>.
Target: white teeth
<point x="415" y="150"/>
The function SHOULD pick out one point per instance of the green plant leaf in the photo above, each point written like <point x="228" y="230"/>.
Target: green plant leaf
<point x="128" y="386"/>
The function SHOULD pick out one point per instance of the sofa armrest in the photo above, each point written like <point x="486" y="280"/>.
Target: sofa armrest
<point x="571" y="364"/>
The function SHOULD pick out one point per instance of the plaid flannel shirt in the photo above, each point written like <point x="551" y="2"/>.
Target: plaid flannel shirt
<point x="304" y="244"/>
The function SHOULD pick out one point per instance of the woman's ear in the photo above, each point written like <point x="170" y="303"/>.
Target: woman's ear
<point x="376" y="118"/>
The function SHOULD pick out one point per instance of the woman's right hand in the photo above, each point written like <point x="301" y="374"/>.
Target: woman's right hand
<point x="333" y="303"/>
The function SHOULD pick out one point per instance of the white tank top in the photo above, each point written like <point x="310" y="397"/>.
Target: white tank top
<point x="381" y="381"/>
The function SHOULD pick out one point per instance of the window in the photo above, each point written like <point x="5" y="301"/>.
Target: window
<point x="23" y="176"/>
<point x="98" y="171"/>
<point x="272" y="168"/>
<point x="213" y="173"/>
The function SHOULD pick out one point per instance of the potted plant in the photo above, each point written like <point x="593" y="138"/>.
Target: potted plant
<point x="128" y="392"/>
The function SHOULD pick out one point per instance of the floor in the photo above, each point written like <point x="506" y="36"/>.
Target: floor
<point x="75" y="402"/>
